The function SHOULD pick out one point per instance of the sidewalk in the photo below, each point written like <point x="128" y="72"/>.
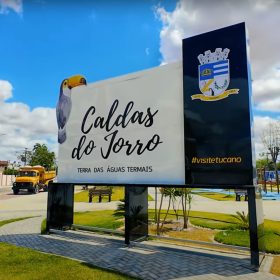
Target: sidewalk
<point x="150" y="260"/>
<point x="5" y="189"/>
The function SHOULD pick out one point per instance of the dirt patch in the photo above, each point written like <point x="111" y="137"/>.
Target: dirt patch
<point x="275" y="269"/>
<point x="175" y="230"/>
<point x="6" y="196"/>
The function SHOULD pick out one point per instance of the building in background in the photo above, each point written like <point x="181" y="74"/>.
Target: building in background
<point x="3" y="165"/>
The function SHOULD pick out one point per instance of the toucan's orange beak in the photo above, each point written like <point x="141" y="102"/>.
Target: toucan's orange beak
<point x="77" y="80"/>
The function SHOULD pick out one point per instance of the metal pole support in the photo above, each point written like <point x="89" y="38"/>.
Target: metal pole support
<point x="136" y="213"/>
<point x="60" y="206"/>
<point x="256" y="226"/>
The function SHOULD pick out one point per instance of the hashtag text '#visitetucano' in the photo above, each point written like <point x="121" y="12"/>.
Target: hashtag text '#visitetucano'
<point x="213" y="160"/>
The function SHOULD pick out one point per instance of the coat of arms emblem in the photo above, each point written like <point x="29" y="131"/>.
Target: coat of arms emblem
<point x="214" y="75"/>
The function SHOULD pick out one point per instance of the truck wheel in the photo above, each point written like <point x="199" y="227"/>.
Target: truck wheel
<point x="15" y="191"/>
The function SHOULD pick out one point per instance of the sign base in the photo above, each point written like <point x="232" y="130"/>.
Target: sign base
<point x="61" y="205"/>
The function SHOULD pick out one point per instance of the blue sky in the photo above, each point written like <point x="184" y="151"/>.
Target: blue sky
<point x="52" y="40"/>
<point x="45" y="41"/>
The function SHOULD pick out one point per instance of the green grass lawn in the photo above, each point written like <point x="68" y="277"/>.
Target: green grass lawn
<point x="233" y="235"/>
<point x="213" y="216"/>
<point x="213" y="220"/>
<point x="217" y="196"/>
<point x="2" y="223"/>
<point x="213" y="224"/>
<point x="109" y="219"/>
<point x="117" y="195"/>
<point x="272" y="225"/>
<point x="203" y="219"/>
<point x="21" y="264"/>
<point x="102" y="219"/>
<point x="44" y="226"/>
<point x="241" y="238"/>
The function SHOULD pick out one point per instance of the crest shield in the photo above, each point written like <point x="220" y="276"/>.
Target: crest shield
<point x="214" y="77"/>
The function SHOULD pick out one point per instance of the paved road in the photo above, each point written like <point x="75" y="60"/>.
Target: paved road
<point x="147" y="261"/>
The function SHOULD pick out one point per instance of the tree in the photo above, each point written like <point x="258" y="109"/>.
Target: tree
<point x="186" y="205"/>
<point x="42" y="156"/>
<point x="10" y="171"/>
<point x="165" y="192"/>
<point x="267" y="163"/>
<point x="271" y="140"/>
<point x="170" y="192"/>
<point x="159" y="210"/>
<point x="261" y="163"/>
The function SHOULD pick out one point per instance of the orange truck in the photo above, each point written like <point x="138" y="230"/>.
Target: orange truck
<point x="33" y="179"/>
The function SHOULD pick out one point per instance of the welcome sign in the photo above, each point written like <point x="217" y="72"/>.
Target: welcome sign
<point x="176" y="124"/>
<point x="126" y="130"/>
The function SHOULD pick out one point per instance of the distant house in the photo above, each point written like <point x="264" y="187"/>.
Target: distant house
<point x="3" y="165"/>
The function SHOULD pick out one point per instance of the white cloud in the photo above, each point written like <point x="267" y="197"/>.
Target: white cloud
<point x="14" y="5"/>
<point x="260" y="126"/>
<point x="5" y="90"/>
<point x="267" y="91"/>
<point x="272" y="105"/>
<point x="192" y="17"/>
<point x="22" y="127"/>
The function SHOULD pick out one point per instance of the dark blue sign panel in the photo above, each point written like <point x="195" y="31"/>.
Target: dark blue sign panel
<point x="217" y="108"/>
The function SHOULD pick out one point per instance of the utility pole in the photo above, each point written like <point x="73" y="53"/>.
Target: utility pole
<point x="25" y="152"/>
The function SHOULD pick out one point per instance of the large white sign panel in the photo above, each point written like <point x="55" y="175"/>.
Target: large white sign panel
<point x="126" y="130"/>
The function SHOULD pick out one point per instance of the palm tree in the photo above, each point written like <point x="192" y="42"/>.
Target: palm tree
<point x="243" y="219"/>
<point x="165" y="192"/>
<point x="170" y="192"/>
<point x="186" y="200"/>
